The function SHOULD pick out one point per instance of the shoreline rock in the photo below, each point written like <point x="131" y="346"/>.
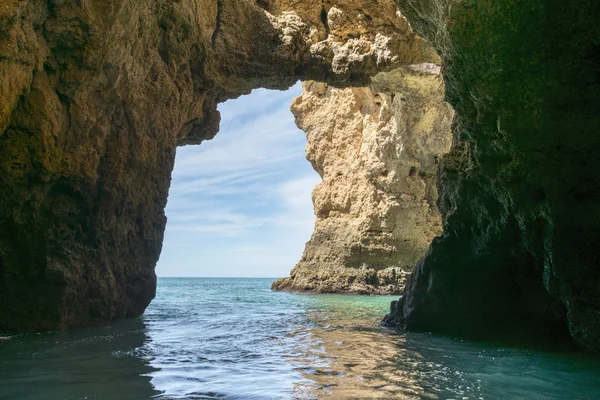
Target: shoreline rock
<point x="359" y="281"/>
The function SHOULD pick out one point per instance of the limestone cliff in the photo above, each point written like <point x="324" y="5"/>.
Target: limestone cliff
<point x="377" y="150"/>
<point x="94" y="97"/>
<point x="520" y="189"/>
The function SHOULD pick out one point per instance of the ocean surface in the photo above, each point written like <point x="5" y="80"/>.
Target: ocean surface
<point x="205" y="338"/>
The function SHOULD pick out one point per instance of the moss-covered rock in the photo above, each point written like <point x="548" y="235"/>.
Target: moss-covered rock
<point x="519" y="190"/>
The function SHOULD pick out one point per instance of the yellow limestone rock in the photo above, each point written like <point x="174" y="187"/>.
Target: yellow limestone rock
<point x="96" y="95"/>
<point x="376" y="149"/>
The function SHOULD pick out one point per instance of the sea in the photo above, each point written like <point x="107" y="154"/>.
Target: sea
<point x="224" y="338"/>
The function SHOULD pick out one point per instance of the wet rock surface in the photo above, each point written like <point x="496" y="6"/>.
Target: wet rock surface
<point x="519" y="190"/>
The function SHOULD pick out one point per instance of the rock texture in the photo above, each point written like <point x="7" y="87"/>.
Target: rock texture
<point x="94" y="97"/>
<point x="519" y="190"/>
<point x="377" y="150"/>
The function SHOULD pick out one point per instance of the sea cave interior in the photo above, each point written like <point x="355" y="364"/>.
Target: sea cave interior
<point x="282" y="199"/>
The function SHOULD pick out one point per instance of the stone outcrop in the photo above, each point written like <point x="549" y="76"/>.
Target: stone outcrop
<point x="95" y="95"/>
<point x="376" y="150"/>
<point x="520" y="189"/>
<point x="94" y="98"/>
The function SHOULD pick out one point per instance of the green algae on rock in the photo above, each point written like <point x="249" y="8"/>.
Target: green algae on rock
<point x="519" y="190"/>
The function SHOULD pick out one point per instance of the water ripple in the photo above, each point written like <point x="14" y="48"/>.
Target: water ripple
<point x="235" y="339"/>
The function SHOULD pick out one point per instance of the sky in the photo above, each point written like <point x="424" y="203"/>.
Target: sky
<point x="240" y="204"/>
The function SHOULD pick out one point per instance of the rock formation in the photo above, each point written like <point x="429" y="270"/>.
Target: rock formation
<point x="95" y="96"/>
<point x="520" y="189"/>
<point x="376" y="150"/>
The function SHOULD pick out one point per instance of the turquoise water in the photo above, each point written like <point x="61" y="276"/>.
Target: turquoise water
<point x="235" y="339"/>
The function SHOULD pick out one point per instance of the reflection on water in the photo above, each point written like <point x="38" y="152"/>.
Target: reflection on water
<point x="359" y="360"/>
<point x="350" y="356"/>
<point x="235" y="339"/>
<point x="98" y="363"/>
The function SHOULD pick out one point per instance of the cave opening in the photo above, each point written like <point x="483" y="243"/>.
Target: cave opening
<point x="98" y="94"/>
<point x="93" y="114"/>
<point x="240" y="204"/>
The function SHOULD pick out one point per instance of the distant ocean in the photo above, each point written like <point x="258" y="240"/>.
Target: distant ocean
<point x="213" y="338"/>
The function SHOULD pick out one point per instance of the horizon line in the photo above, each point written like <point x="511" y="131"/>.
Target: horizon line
<point x="219" y="277"/>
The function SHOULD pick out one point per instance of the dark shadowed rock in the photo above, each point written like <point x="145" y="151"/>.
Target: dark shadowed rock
<point x="520" y="189"/>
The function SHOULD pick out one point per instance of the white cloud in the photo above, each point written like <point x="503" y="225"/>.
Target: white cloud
<point x="293" y="192"/>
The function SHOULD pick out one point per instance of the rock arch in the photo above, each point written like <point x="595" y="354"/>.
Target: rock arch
<point x="96" y="97"/>
<point x="97" y="94"/>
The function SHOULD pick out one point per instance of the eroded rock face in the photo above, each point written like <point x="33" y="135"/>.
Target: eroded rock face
<point x="96" y="95"/>
<point x="377" y="150"/>
<point x="519" y="190"/>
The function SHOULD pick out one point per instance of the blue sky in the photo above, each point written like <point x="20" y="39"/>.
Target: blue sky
<point x="240" y="204"/>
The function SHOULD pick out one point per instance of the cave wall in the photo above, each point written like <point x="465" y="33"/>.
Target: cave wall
<point x="95" y="97"/>
<point x="376" y="149"/>
<point x="520" y="189"/>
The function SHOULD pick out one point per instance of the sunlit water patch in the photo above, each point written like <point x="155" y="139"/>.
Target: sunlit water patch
<point x="235" y="339"/>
